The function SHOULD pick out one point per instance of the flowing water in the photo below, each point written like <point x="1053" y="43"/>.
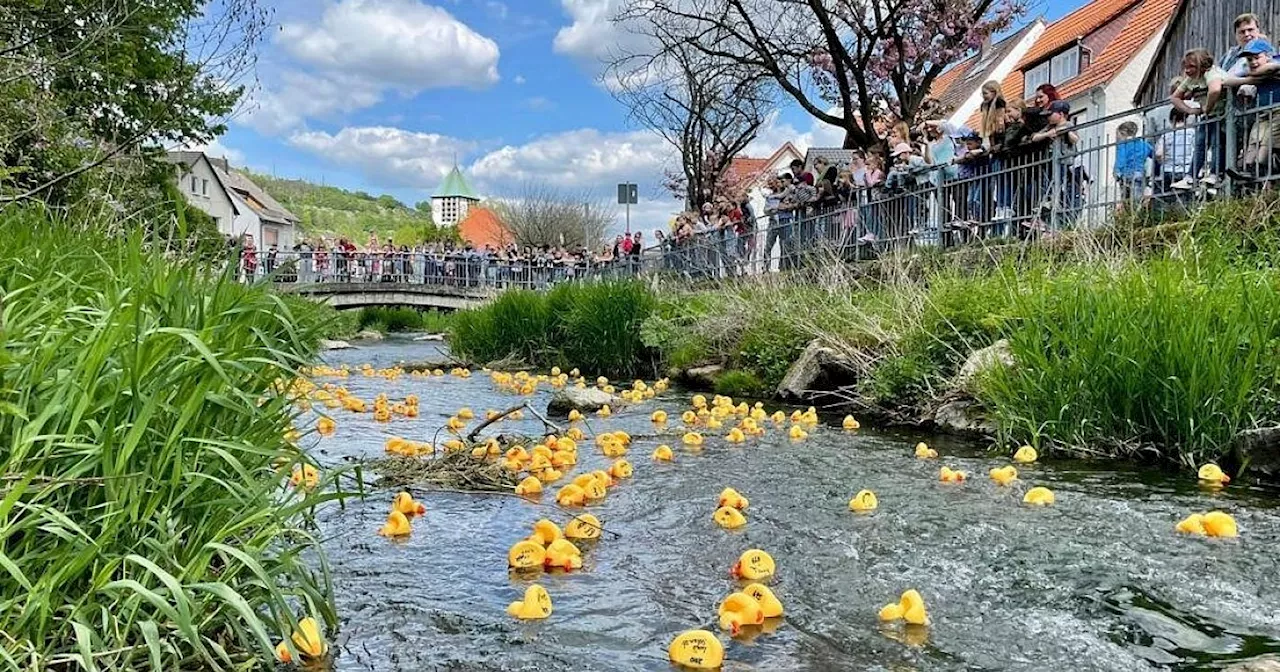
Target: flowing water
<point x="1100" y="581"/>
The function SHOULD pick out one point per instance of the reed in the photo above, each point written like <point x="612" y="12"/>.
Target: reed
<point x="145" y="525"/>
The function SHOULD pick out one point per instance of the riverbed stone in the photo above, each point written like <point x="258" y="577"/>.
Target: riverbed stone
<point x="369" y="335"/>
<point x="429" y="337"/>
<point x="995" y="355"/>
<point x="1263" y="664"/>
<point x="818" y="369"/>
<point x="327" y="344"/>
<point x="963" y="415"/>
<point x="700" y="377"/>
<point x="1260" y="448"/>
<point x="584" y="400"/>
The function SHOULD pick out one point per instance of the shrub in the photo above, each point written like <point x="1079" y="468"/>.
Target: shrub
<point x="145" y="524"/>
<point x="739" y="383"/>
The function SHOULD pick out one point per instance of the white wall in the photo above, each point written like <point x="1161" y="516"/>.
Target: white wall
<point x="207" y="194"/>
<point x="438" y="209"/>
<point x="974" y="101"/>
<point x="247" y="222"/>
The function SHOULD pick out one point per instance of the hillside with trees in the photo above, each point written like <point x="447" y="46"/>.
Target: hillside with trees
<point x="332" y="212"/>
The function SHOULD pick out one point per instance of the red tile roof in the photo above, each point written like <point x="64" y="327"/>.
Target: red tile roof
<point x="482" y="227"/>
<point x="1147" y="20"/>
<point x="745" y="167"/>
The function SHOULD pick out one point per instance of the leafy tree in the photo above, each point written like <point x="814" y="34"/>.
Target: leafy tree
<point x="390" y="202"/>
<point x="424" y="207"/>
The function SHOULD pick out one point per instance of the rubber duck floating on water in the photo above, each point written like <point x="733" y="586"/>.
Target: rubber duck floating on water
<point x="697" y="650"/>
<point x="562" y="554"/>
<point x="545" y="532"/>
<point x="663" y="454"/>
<point x="1212" y="476"/>
<point x="850" y="423"/>
<point x="404" y="503"/>
<point x="659" y="417"/>
<point x="621" y="469"/>
<point x="583" y="526"/>
<point x="526" y="554"/>
<point x="1004" y="475"/>
<point x="732" y="498"/>
<point x="535" y="605"/>
<point x="769" y="603"/>
<point x="754" y="565"/>
<point x="1211" y="524"/>
<point x="1025" y="455"/>
<point x="326" y="426"/>
<point x="305" y="476"/>
<point x="909" y="608"/>
<point x="529" y="486"/>
<point x="863" y="502"/>
<point x="737" y="610"/>
<point x="1038" y="496"/>
<point x="307" y="640"/>
<point x="397" y="526"/>
<point x="949" y="475"/>
<point x="729" y="518"/>
<point x="924" y="452"/>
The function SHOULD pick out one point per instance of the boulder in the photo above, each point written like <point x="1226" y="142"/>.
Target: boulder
<point x="963" y="415"/>
<point x="700" y="377"/>
<point x="326" y="344"/>
<point x="1260" y="448"/>
<point x="429" y="337"/>
<point x="996" y="354"/>
<point x="1264" y="664"/>
<point x="369" y="336"/>
<point x="585" y="400"/>
<point x="818" y="369"/>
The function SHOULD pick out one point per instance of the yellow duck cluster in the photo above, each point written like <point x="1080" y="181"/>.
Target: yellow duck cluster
<point x="403" y="509"/>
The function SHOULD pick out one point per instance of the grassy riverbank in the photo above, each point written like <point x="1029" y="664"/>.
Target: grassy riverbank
<point x="145" y="522"/>
<point x="1127" y="341"/>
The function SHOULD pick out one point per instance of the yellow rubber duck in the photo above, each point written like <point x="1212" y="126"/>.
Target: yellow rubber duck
<point x="567" y="443"/>
<point x="517" y="453"/>
<point x="575" y="434"/>
<point x="526" y="554"/>
<point x="797" y="433"/>
<point x="734" y="499"/>
<point x="699" y="401"/>
<point x="604" y="411"/>
<point x="737" y="610"/>
<point x="659" y="417"/>
<point x="397" y="525"/>
<point x="850" y="424"/>
<point x="697" y="650"/>
<point x="1025" y="455"/>
<point x="1038" y="496"/>
<point x="663" y="454"/>
<point x="535" y="605"/>
<point x="305" y="476"/>
<point x="595" y="490"/>
<point x="381" y="415"/>
<point x="307" y="640"/>
<point x="769" y="603"/>
<point x="620" y="469"/>
<point x="949" y="475"/>
<point x="575" y="415"/>
<point x="571" y="495"/>
<point x="405" y="504"/>
<point x="455" y="423"/>
<point x="562" y="554"/>
<point x="545" y="532"/>
<point x="910" y="608"/>
<point x="735" y="436"/>
<point x="529" y="486"/>
<point x="924" y="452"/>
<point x="602" y="381"/>
<point x="778" y="418"/>
<point x="326" y="426"/>
<point x="1219" y="524"/>
<point x="1192" y="524"/>
<point x="689" y="418"/>
<point x="729" y="518"/>
<point x="549" y="475"/>
<point x="864" y="501"/>
<point x="753" y="565"/>
<point x="583" y="526"/>
<point x="539" y="462"/>
<point x="1004" y="475"/>
<point x="1211" y="475"/>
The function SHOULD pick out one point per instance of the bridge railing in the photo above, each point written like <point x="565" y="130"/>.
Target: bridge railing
<point x="1040" y="190"/>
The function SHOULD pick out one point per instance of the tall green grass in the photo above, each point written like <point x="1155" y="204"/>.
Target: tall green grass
<point x="143" y="522"/>
<point x="592" y="326"/>
<point x="403" y="319"/>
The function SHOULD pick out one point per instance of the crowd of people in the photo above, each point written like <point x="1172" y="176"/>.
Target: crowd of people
<point x="1023" y="170"/>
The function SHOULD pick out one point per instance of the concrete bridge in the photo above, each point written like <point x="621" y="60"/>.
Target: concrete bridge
<point x="348" y="295"/>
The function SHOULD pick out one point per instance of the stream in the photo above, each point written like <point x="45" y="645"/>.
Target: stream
<point x="1099" y="581"/>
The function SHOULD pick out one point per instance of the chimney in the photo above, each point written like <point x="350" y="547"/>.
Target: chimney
<point x="220" y="162"/>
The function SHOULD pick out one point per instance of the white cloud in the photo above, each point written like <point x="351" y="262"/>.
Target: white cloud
<point x="299" y="96"/>
<point x="519" y="79"/>
<point x="389" y="157"/>
<point x="396" y="43"/>
<point x="593" y="38"/>
<point x="576" y="159"/>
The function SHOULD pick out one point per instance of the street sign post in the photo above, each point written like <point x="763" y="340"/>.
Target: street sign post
<point x="628" y="195"/>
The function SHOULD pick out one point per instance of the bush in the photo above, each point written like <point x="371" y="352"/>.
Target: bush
<point x="402" y="319"/>
<point x="145" y="524"/>
<point x="741" y="384"/>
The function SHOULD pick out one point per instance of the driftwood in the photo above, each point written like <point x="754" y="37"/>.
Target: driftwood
<point x="480" y="427"/>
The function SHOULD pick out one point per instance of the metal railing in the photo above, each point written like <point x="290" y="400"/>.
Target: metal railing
<point x="1040" y="189"/>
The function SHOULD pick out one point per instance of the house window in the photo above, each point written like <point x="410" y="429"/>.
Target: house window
<point x="195" y="184"/>
<point x="204" y="187"/>
<point x="1064" y="66"/>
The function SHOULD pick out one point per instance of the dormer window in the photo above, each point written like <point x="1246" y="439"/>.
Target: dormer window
<point x="1057" y="70"/>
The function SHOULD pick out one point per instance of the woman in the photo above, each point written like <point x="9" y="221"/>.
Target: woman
<point x="871" y="209"/>
<point x="1035" y="153"/>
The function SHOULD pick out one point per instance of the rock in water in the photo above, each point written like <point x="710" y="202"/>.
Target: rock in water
<point x="587" y="399"/>
<point x="818" y="369"/>
<point x="1263" y="664"/>
<point x="326" y="344"/>
<point x="429" y="337"/>
<point x="368" y="336"/>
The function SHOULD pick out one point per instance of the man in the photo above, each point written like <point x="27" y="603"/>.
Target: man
<point x="1263" y="74"/>
<point x="1247" y="29"/>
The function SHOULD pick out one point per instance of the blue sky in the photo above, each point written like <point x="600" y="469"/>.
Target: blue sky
<point x="381" y="95"/>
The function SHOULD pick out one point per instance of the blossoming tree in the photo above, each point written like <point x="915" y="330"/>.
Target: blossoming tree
<point x="848" y="63"/>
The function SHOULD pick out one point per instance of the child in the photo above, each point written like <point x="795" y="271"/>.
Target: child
<point x="1175" y="150"/>
<point x="1130" y="168"/>
<point x="974" y="162"/>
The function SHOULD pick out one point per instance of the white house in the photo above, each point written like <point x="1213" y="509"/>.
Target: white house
<point x="453" y="200"/>
<point x="752" y="174"/>
<point x="237" y="205"/>
<point x="204" y="190"/>
<point x="959" y="89"/>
